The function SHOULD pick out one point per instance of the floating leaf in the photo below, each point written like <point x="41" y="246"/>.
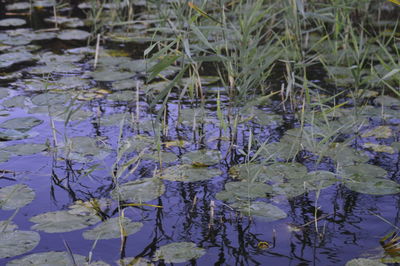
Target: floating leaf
<point x="379" y="148"/>
<point x="344" y="155"/>
<point x="11" y="134"/>
<point x="7" y="226"/>
<point x="363" y="170"/>
<point x="80" y="147"/>
<point x="54" y="259"/>
<point x="280" y="171"/>
<point x="141" y="190"/>
<point x="50" y="98"/>
<point x="25" y="148"/>
<point x="202" y="157"/>
<point x="260" y="209"/>
<point x="68" y="35"/>
<point x="12" y="22"/>
<point x="164" y="157"/>
<point x="21" y="123"/>
<point x="381" y="132"/>
<point x="387" y="100"/>
<point x="16" y="196"/>
<point x="364" y="262"/>
<point x="244" y="190"/>
<point x="16" y="101"/>
<point x="134" y="262"/>
<point x="62" y="221"/>
<point x="188" y="173"/>
<point x="113" y="228"/>
<point x="126" y="96"/>
<point x="111" y="75"/>
<point x="4" y="156"/>
<point x="17" y="242"/>
<point x="178" y="252"/>
<point x="372" y="185"/>
<point x="9" y="59"/>
<point x="18" y="6"/>
<point x="316" y="180"/>
<point x="251" y="172"/>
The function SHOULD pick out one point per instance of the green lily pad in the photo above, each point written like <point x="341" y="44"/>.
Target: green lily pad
<point x="202" y="157"/>
<point x="372" y="185"/>
<point x="316" y="180"/>
<point x="363" y="171"/>
<point x="136" y="143"/>
<point x="18" y="6"/>
<point x="138" y="261"/>
<point x="178" y="252"/>
<point x="80" y="147"/>
<point x="10" y="59"/>
<point x="111" y="228"/>
<point x="7" y="226"/>
<point x="289" y="189"/>
<point x="188" y="173"/>
<point x="379" y="148"/>
<point x="4" y="156"/>
<point x="251" y="172"/>
<point x="17" y="242"/>
<point x="126" y="96"/>
<point x="69" y="22"/>
<point x="16" y="101"/>
<point x="54" y="259"/>
<point x="280" y="172"/>
<point x="141" y="190"/>
<point x="111" y="75"/>
<point x="164" y="157"/>
<point x="76" y="35"/>
<point x="260" y="209"/>
<point x="12" y="22"/>
<point x="244" y="190"/>
<point x="3" y="92"/>
<point x="62" y="221"/>
<point x="364" y="262"/>
<point x="50" y="98"/>
<point x="22" y="124"/>
<point x="381" y="132"/>
<point x="54" y="68"/>
<point x="11" y="134"/>
<point x="387" y="100"/>
<point x="16" y="196"/>
<point x="25" y="148"/>
<point x="344" y="155"/>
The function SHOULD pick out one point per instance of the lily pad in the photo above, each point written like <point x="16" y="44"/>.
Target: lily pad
<point x="188" y="173"/>
<point x="202" y="157"/>
<point x="10" y="59"/>
<point x="280" y="172"/>
<point x="62" y="221"/>
<point x="316" y="180"/>
<point x="372" y="185"/>
<point x="381" y="132"/>
<point x="16" y="196"/>
<point x="50" y="98"/>
<point x="244" y="190"/>
<point x="260" y="209"/>
<point x="379" y="148"/>
<point x="18" y="6"/>
<point x="344" y="155"/>
<point x="126" y="96"/>
<point x="251" y="172"/>
<point x="22" y="124"/>
<point x="54" y="259"/>
<point x="11" y="134"/>
<point x="17" y="242"/>
<point x="138" y="261"/>
<point x="141" y="190"/>
<point x="111" y="75"/>
<point x="16" y="101"/>
<point x="164" y="157"/>
<point x="112" y="228"/>
<point x="387" y="100"/>
<point x="12" y="22"/>
<point x="4" y="156"/>
<point x="178" y="252"/>
<point x="363" y="171"/>
<point x="25" y="148"/>
<point x="80" y="147"/>
<point x="7" y="226"/>
<point x="76" y="35"/>
<point x="364" y="262"/>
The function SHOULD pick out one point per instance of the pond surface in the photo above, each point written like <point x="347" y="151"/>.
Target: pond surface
<point x="90" y="167"/>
